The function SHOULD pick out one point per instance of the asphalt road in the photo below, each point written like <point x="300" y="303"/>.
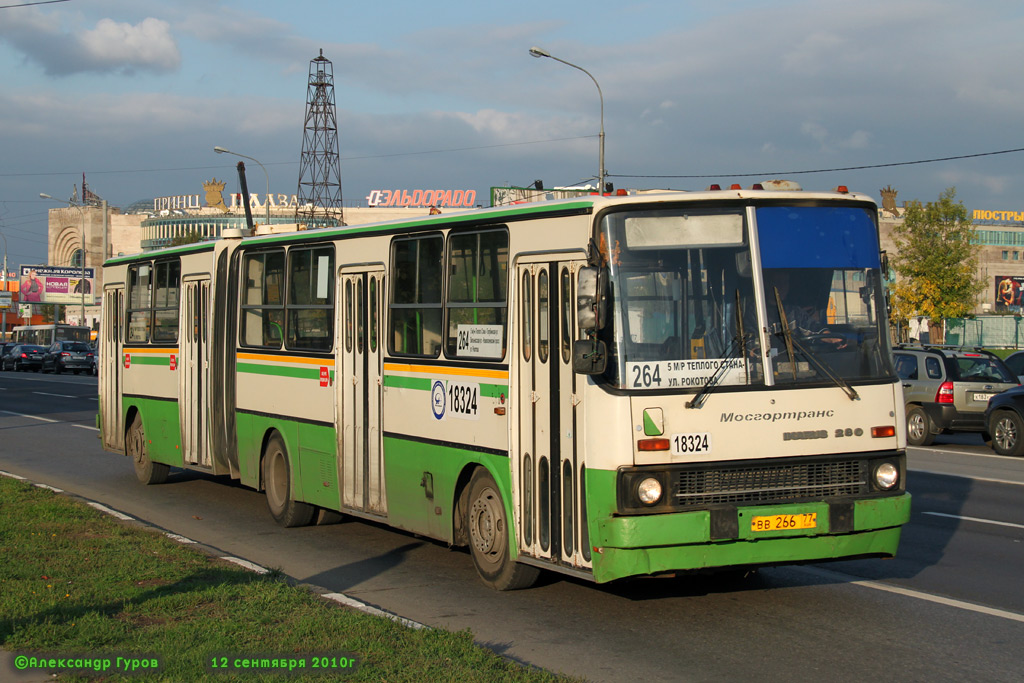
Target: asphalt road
<point x="950" y="607"/>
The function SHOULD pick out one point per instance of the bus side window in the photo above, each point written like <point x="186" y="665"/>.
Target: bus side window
<point x="477" y="301"/>
<point x="262" y="321"/>
<point x="416" y="304"/>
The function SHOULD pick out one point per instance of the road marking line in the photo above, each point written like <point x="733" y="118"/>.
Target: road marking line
<point x="86" y="427"/>
<point x="967" y="476"/>
<point x="11" y="475"/>
<point x="113" y="513"/>
<point x="43" y="393"/>
<point x="975" y="519"/>
<point x="910" y="593"/>
<point x="31" y="417"/>
<point x="246" y="564"/>
<point x="953" y="451"/>
<point x="349" y="601"/>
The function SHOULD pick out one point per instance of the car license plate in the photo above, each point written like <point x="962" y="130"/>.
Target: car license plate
<point x="805" y="520"/>
<point x="983" y="397"/>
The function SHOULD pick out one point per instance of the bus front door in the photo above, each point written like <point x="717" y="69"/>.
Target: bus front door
<point x="194" y="373"/>
<point x="548" y="467"/>
<point x="360" y="291"/>
<point x="109" y="364"/>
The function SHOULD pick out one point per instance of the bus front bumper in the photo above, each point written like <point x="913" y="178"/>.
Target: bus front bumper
<point x="703" y="539"/>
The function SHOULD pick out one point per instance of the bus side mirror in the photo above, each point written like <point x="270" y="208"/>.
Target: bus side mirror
<point x="590" y="300"/>
<point x="589" y="356"/>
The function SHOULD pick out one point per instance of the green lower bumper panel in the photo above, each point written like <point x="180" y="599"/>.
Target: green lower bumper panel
<point x="639" y="545"/>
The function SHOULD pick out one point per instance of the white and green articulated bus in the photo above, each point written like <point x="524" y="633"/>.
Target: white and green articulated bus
<point x="606" y="387"/>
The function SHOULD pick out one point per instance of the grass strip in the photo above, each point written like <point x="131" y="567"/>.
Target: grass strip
<point x="76" y="582"/>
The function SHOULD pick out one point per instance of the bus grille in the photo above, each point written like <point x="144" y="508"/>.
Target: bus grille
<point x="770" y="483"/>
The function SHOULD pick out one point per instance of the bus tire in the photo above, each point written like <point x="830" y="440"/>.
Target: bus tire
<point x="277" y="482"/>
<point x="147" y="471"/>
<point x="487" y="529"/>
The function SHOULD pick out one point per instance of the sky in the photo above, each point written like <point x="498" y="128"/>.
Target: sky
<point x="135" y="94"/>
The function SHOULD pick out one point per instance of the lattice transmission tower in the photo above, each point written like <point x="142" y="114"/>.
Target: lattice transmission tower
<point x="319" y="192"/>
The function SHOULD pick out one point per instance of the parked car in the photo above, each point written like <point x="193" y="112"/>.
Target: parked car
<point x="948" y="390"/>
<point x="1015" y="361"/>
<point x="4" y="348"/>
<point x="24" y="357"/>
<point x="68" y="355"/>
<point x="1004" y="420"/>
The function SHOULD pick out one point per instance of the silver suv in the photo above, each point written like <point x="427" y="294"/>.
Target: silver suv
<point x="947" y="390"/>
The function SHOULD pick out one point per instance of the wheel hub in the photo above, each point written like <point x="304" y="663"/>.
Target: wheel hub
<point x="484" y="523"/>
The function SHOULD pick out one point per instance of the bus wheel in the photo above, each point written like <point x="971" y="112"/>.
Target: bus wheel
<point x="487" y="526"/>
<point x="277" y="481"/>
<point x="146" y="470"/>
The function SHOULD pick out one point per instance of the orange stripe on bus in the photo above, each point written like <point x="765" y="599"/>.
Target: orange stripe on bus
<point x="439" y="370"/>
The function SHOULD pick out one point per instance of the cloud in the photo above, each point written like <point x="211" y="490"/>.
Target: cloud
<point x="147" y="45"/>
<point x="110" y="47"/>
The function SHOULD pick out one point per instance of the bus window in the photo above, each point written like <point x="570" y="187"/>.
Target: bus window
<point x="263" y="300"/>
<point x="543" y="340"/>
<point x="477" y="303"/>
<point x="165" y="301"/>
<point x="311" y="299"/>
<point x="140" y="291"/>
<point x="567" y="311"/>
<point x="416" y="304"/>
<point x="527" y="316"/>
<point x="682" y="294"/>
<point x="373" y="314"/>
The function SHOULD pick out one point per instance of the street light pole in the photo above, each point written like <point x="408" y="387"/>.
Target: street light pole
<point x="266" y="200"/>
<point x="538" y="52"/>
<point x="3" y="312"/>
<point x="81" y="212"/>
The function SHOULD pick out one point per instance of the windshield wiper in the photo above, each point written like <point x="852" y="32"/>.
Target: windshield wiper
<point x="739" y="340"/>
<point x="821" y="366"/>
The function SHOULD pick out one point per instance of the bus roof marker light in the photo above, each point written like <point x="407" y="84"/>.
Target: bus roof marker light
<point x="843" y="189"/>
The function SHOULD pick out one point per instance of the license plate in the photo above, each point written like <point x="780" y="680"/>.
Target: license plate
<point x="983" y="397"/>
<point x="805" y="520"/>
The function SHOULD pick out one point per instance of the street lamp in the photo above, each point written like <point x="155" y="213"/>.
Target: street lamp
<point x="81" y="211"/>
<point x="538" y="52"/>
<point x="266" y="200"/>
<point x="3" y="277"/>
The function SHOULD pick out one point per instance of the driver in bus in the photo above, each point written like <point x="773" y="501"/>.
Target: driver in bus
<point x="804" y="319"/>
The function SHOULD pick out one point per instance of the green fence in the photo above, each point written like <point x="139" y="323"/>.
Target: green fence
<point x="990" y="331"/>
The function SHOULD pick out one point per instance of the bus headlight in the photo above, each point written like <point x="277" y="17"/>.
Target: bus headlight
<point x="649" y="491"/>
<point x="886" y="476"/>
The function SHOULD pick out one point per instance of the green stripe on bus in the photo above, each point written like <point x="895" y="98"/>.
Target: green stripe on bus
<point x="279" y="370"/>
<point x="399" y="382"/>
<point x="140" y="359"/>
<point x="425" y="384"/>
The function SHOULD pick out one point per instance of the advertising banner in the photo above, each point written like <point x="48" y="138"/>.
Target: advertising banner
<point x="1009" y="291"/>
<point x="57" y="285"/>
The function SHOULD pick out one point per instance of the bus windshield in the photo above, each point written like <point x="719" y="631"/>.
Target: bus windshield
<point x="688" y="310"/>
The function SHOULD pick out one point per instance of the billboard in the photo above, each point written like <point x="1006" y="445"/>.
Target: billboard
<point x="57" y="285"/>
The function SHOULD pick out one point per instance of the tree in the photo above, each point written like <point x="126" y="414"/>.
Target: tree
<point x="188" y="238"/>
<point x="936" y="260"/>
